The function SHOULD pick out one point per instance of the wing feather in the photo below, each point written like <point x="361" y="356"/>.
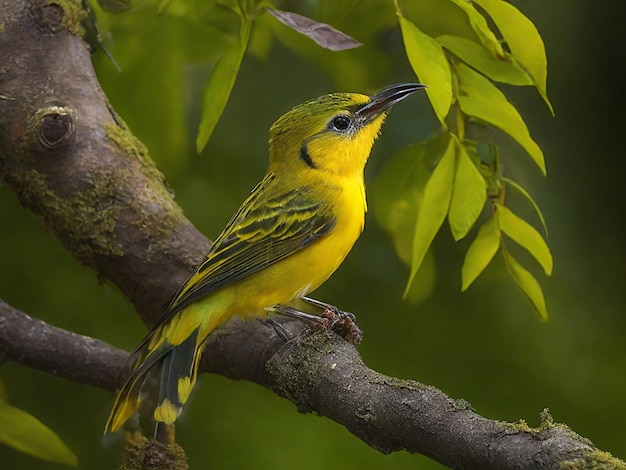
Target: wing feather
<point x="268" y="227"/>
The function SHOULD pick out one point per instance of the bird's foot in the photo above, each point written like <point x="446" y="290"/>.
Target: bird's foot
<point x="331" y="319"/>
<point x="343" y="324"/>
<point x="283" y="333"/>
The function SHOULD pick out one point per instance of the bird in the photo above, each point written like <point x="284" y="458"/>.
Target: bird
<point x="291" y="233"/>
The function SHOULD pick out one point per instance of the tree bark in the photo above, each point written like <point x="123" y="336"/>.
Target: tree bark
<point x="71" y="160"/>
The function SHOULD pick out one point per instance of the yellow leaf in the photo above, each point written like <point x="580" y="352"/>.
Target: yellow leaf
<point x="433" y="209"/>
<point x="27" y="434"/>
<point x="480" y="98"/>
<point x="468" y="196"/>
<point x="220" y="84"/>
<point x="501" y="69"/>
<point x="520" y="189"/>
<point x="526" y="235"/>
<point x="523" y="40"/>
<point x="430" y="64"/>
<point x="480" y="252"/>
<point x="527" y="283"/>
<point x="480" y="26"/>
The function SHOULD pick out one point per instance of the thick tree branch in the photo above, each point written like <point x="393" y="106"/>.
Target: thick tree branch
<point x="70" y="160"/>
<point x="324" y="374"/>
<point x="62" y="353"/>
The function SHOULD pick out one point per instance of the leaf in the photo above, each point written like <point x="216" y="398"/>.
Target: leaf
<point x="396" y="194"/>
<point x="27" y="434"/>
<point x="499" y="69"/>
<point x="523" y="40"/>
<point x="115" y="6"/>
<point x="261" y="37"/>
<point x="480" y="26"/>
<point x="423" y="284"/>
<point x="481" y="252"/>
<point x="431" y="66"/>
<point x="527" y="283"/>
<point x="519" y="188"/>
<point x="433" y="209"/>
<point x="224" y="19"/>
<point x="219" y="86"/>
<point x="526" y="235"/>
<point x="189" y="49"/>
<point x="443" y="17"/>
<point x="480" y="98"/>
<point x="324" y="35"/>
<point x="468" y="196"/>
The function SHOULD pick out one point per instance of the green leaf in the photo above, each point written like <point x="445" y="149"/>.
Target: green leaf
<point x="523" y="40"/>
<point x="224" y="19"/>
<point x="396" y="194"/>
<point x="444" y="17"/>
<point x="219" y="86"/>
<point x="324" y="35"/>
<point x="423" y="284"/>
<point x="526" y="235"/>
<point x="115" y="6"/>
<point x="527" y="283"/>
<point x="480" y="98"/>
<point x="480" y="26"/>
<point x="501" y="69"/>
<point x="261" y="37"/>
<point x="519" y="188"/>
<point x="27" y="434"/>
<point x="431" y="66"/>
<point x="433" y="209"/>
<point x="468" y="196"/>
<point x="480" y="252"/>
<point x="158" y="110"/>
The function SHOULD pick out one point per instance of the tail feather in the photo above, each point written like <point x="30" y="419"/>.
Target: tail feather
<point x="172" y="368"/>
<point x="178" y="374"/>
<point x="144" y="366"/>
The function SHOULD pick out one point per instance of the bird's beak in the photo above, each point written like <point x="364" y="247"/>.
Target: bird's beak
<point x="386" y="98"/>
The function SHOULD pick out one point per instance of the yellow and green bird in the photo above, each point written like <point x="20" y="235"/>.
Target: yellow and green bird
<point x="286" y="239"/>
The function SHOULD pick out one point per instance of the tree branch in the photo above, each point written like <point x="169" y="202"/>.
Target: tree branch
<point x="324" y="374"/>
<point x="71" y="160"/>
<point x="62" y="353"/>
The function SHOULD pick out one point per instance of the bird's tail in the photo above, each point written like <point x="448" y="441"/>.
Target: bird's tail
<point x="170" y="368"/>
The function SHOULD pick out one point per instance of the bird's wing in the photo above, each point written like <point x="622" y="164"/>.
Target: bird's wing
<point x="268" y="227"/>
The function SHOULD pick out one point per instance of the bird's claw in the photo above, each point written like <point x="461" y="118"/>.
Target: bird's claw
<point x="331" y="319"/>
<point x="343" y="324"/>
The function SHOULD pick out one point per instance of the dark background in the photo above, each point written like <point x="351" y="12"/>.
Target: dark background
<point x="486" y="345"/>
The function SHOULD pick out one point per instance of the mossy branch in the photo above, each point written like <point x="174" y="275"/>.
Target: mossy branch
<point x="70" y="160"/>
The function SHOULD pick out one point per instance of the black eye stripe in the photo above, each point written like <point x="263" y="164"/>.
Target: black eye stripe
<point x="304" y="155"/>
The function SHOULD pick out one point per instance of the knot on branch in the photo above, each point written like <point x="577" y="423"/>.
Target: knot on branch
<point x="50" y="17"/>
<point x="52" y="127"/>
<point x="143" y="454"/>
<point x="53" y="17"/>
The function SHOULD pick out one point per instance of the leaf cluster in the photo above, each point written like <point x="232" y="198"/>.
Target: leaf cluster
<point x="461" y="50"/>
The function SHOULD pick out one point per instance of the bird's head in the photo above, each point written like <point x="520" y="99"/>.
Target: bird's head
<point x="333" y="133"/>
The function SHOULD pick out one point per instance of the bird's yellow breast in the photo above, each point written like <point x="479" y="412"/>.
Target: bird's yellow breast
<point x="306" y="270"/>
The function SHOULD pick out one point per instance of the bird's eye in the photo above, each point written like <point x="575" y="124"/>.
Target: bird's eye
<point x="341" y="123"/>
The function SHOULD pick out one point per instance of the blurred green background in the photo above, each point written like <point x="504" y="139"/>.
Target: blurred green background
<point x="486" y="345"/>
